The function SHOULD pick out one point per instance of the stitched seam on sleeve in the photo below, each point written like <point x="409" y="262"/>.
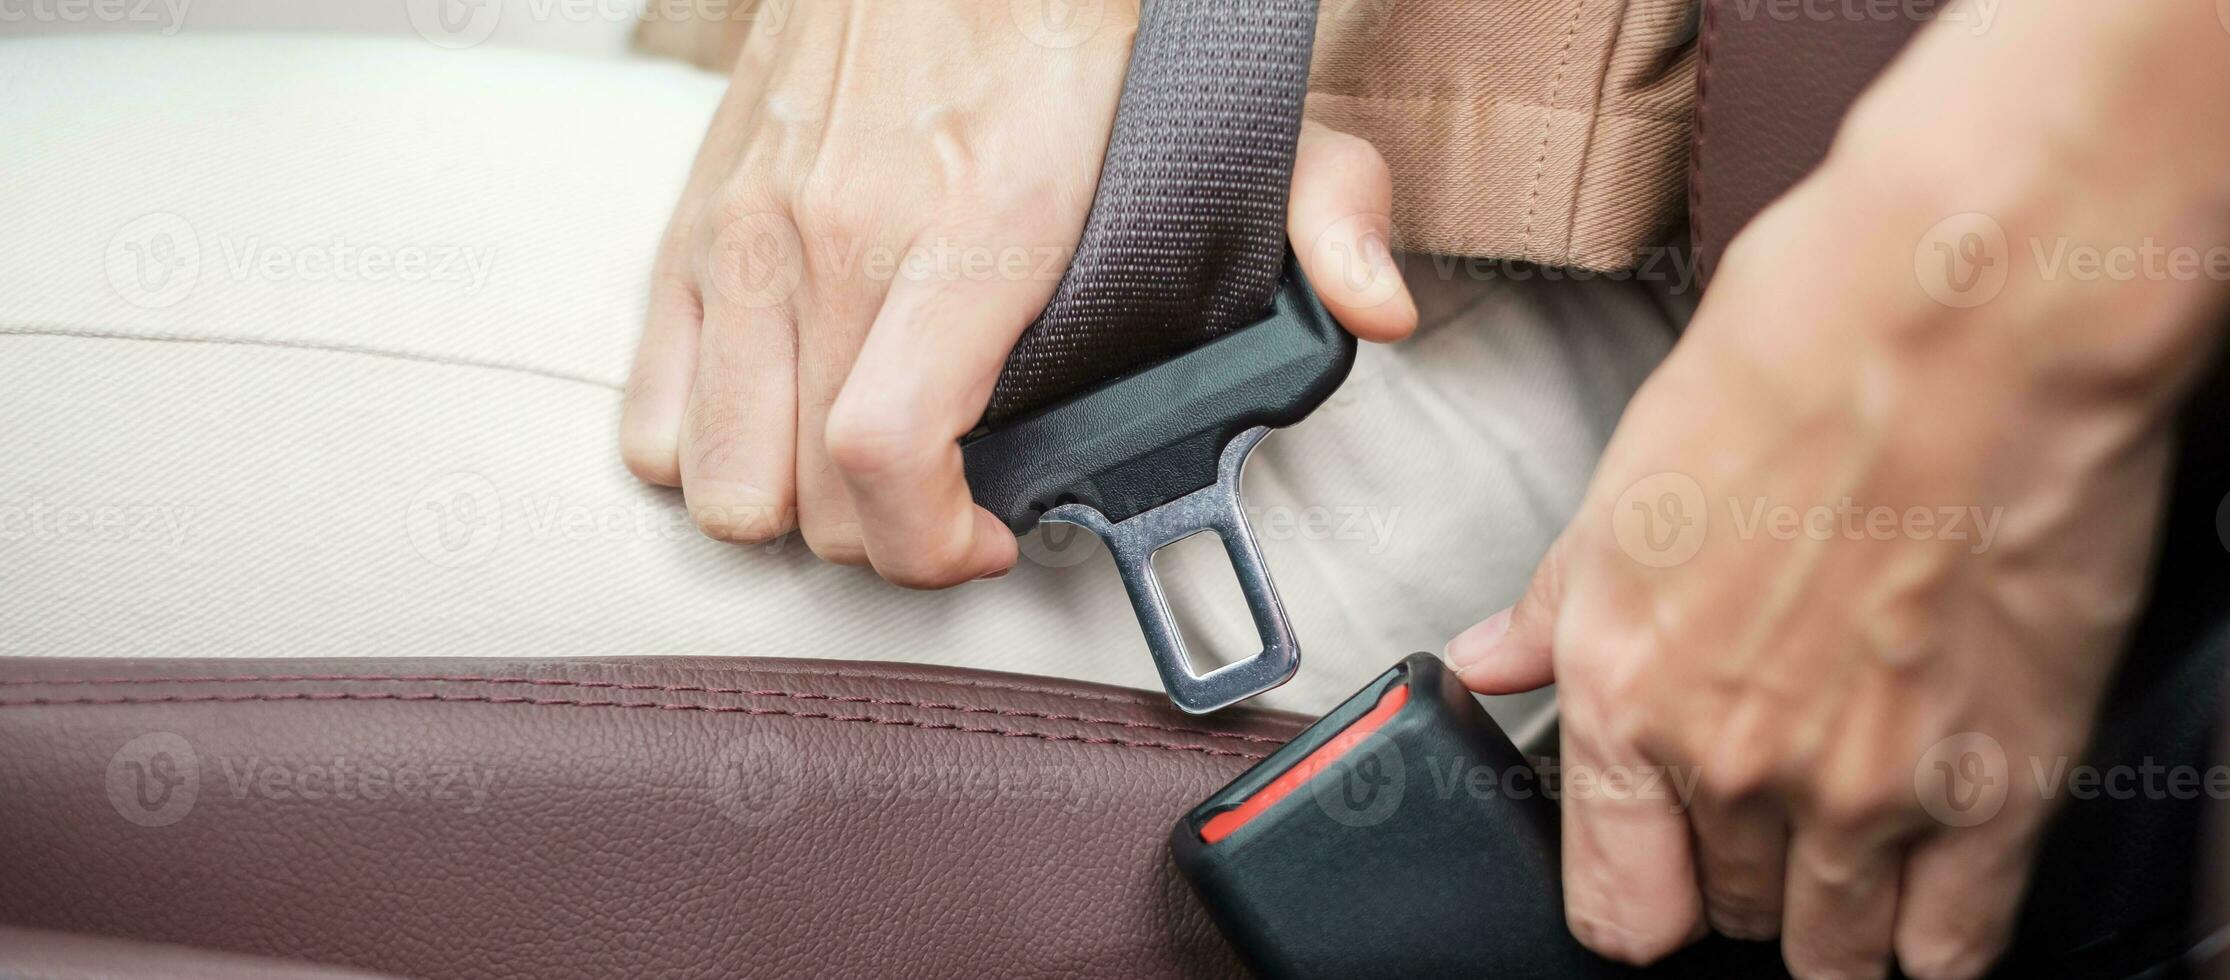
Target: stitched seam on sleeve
<point x="1548" y="120"/>
<point x="1708" y="47"/>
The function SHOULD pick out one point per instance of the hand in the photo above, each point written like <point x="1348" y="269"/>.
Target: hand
<point x="1856" y="566"/>
<point x="1807" y="568"/>
<point x="887" y="197"/>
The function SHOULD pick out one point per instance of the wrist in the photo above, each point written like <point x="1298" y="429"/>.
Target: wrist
<point x="1926" y="308"/>
<point x="2019" y="266"/>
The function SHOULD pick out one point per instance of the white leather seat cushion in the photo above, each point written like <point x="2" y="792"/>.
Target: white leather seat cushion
<point x="313" y="347"/>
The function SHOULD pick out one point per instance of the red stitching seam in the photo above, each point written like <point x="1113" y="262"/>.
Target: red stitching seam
<point x="660" y="705"/>
<point x="625" y="686"/>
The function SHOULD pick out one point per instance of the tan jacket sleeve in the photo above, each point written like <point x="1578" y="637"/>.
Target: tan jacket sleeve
<point x="1553" y="131"/>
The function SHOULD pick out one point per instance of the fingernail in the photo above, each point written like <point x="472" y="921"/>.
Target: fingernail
<point x="1472" y="645"/>
<point x="988" y="576"/>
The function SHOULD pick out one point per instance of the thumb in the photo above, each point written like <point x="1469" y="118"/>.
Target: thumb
<point x="1513" y="650"/>
<point x="1341" y="219"/>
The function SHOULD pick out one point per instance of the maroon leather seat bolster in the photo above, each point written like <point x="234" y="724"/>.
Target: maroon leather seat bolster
<point x="473" y="818"/>
<point x="1772" y="92"/>
<point x="30" y="954"/>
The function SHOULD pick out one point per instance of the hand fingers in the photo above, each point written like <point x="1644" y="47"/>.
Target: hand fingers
<point x="1629" y="877"/>
<point x="1741" y="852"/>
<point x="921" y="382"/>
<point x="1512" y="650"/>
<point x="1340" y="221"/>
<point x="738" y="442"/>
<point x="1841" y="902"/>
<point x="1962" y="889"/>
<point x="650" y="419"/>
<point x="841" y="317"/>
<point x="652" y="413"/>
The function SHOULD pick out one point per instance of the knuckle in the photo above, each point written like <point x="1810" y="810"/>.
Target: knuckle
<point x="1746" y="917"/>
<point x="1632" y="729"/>
<point x="836" y="544"/>
<point x="1834" y="957"/>
<point x="1853" y="804"/>
<point x="920" y="575"/>
<point x="1733" y="774"/>
<point x="1957" y="961"/>
<point x="1738" y="894"/>
<point x="868" y="442"/>
<point x="938" y="564"/>
<point x="1950" y="951"/>
<point x="1936" y="966"/>
<point x="740" y="523"/>
<point x="729" y="210"/>
<point x="1804" y="969"/>
<point x="716" y="432"/>
<point x="1624" y="942"/>
<point x="651" y="456"/>
<point x="828" y="208"/>
<point x="1844" y="875"/>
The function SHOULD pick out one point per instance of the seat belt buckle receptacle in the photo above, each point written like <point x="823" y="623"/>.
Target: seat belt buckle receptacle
<point x="1154" y="457"/>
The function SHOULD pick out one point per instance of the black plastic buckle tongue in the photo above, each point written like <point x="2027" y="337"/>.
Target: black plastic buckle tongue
<point x="1154" y="457"/>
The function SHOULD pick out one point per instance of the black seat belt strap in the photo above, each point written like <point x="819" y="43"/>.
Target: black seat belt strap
<point x="1182" y="331"/>
<point x="1186" y="238"/>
